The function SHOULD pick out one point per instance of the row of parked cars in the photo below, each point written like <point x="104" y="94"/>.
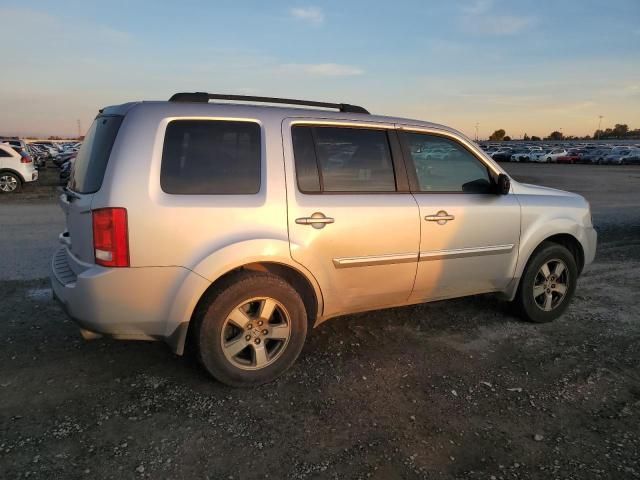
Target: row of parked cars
<point x="578" y="153"/>
<point x="20" y="161"/>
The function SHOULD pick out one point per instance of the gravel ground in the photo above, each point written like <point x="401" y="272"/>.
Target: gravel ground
<point x="455" y="389"/>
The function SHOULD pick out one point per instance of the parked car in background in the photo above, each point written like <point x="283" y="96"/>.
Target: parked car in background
<point x="553" y="155"/>
<point x="633" y="158"/>
<point x="65" y="170"/>
<point x="52" y="152"/>
<point x="539" y="156"/>
<point x="38" y="154"/>
<point x="572" y="156"/>
<point x="619" y="157"/>
<point x="64" y="157"/>
<point x="520" y="155"/>
<point x="503" y="155"/>
<point x="15" y="169"/>
<point x="17" y="144"/>
<point x="243" y="226"/>
<point x="596" y="155"/>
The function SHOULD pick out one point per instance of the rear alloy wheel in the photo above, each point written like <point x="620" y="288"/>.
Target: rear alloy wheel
<point x="250" y="329"/>
<point x="255" y="333"/>
<point x="9" y="183"/>
<point x="547" y="284"/>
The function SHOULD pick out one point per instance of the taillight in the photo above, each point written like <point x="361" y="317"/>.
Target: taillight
<point x="25" y="159"/>
<point x="111" y="237"/>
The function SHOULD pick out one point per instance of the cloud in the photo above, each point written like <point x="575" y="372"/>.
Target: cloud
<point x="113" y="35"/>
<point x="499" y="24"/>
<point x="312" y="15"/>
<point x="480" y="17"/>
<point x="323" y="69"/>
<point x="477" y="7"/>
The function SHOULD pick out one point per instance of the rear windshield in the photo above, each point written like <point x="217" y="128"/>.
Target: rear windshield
<point x="91" y="162"/>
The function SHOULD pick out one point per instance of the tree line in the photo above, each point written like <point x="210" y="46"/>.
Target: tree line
<point x="620" y="131"/>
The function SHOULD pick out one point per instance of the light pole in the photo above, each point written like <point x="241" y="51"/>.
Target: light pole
<point x="477" y="125"/>
<point x="600" y="117"/>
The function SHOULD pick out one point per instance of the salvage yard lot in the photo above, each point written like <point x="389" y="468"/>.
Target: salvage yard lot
<point x="455" y="389"/>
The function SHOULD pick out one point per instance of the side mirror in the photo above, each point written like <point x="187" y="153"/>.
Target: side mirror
<point x="503" y="185"/>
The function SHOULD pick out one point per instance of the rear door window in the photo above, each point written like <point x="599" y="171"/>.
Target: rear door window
<point x="93" y="156"/>
<point x="211" y="157"/>
<point x="343" y="159"/>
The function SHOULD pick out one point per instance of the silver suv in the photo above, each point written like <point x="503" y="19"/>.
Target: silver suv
<point x="238" y="226"/>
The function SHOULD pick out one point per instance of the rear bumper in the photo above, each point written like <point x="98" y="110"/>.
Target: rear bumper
<point x="124" y="303"/>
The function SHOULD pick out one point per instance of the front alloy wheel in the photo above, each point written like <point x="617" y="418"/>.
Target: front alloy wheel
<point x="551" y="285"/>
<point x="547" y="283"/>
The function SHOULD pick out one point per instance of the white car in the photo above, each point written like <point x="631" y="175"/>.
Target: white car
<point x="15" y="169"/>
<point x="548" y="157"/>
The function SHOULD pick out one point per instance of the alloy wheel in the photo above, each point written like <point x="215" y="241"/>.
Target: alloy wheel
<point x="8" y="183"/>
<point x="255" y="333"/>
<point x="551" y="285"/>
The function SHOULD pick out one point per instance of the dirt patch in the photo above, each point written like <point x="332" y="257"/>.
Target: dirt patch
<point x="451" y="390"/>
<point x="456" y="389"/>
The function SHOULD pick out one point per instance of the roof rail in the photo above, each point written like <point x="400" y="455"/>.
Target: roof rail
<point x="203" y="97"/>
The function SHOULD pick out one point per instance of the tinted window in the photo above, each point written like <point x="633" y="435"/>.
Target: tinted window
<point x="348" y="160"/>
<point x="209" y="157"/>
<point x="4" y="153"/>
<point x="305" y="158"/>
<point x="91" y="162"/>
<point x="443" y="165"/>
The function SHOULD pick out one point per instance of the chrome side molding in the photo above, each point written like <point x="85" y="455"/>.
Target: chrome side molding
<point x="346" y="262"/>
<point x="465" y="252"/>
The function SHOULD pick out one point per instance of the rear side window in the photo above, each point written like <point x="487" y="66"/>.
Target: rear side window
<point x="4" y="153"/>
<point x="92" y="158"/>
<point x="209" y="157"/>
<point x="342" y="159"/>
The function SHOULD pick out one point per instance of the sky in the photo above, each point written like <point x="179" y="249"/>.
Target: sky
<point x="529" y="66"/>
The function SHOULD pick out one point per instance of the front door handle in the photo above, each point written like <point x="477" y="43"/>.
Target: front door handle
<point x="317" y="220"/>
<point x="441" y="217"/>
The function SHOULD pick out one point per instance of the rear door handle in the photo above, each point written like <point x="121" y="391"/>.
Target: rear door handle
<point x="317" y="220"/>
<point x="441" y="217"/>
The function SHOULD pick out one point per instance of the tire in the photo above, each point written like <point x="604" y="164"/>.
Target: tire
<point x="260" y="357"/>
<point x="548" y="159"/>
<point x="10" y="183"/>
<point x="534" y="309"/>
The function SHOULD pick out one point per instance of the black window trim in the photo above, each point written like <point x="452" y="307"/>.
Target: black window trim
<point x="399" y="168"/>
<point x="411" y="168"/>
<point x="262" y="157"/>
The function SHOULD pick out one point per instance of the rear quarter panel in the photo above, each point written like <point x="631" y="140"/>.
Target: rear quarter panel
<point x="184" y="230"/>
